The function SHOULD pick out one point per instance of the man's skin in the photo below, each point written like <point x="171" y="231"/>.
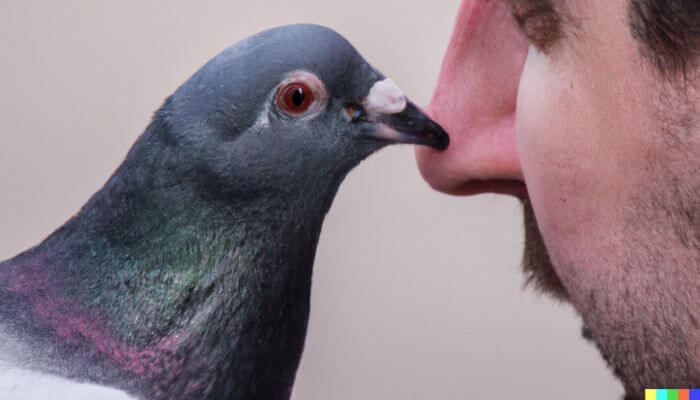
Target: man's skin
<point x="564" y="111"/>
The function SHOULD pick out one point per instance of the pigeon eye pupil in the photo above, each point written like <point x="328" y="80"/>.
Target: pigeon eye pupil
<point x="294" y="98"/>
<point x="298" y="97"/>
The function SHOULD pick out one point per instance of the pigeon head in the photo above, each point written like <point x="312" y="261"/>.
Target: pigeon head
<point x="188" y="275"/>
<point x="288" y="109"/>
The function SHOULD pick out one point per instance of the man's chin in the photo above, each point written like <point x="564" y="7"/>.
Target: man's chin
<point x="539" y="271"/>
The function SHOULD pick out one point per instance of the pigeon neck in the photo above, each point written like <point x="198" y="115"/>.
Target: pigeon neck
<point x="183" y="301"/>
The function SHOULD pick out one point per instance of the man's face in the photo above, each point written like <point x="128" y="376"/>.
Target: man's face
<point x="554" y="103"/>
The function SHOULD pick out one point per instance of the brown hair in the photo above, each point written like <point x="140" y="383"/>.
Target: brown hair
<point x="669" y="33"/>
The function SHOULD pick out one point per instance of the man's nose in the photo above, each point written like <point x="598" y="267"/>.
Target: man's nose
<point x="475" y="101"/>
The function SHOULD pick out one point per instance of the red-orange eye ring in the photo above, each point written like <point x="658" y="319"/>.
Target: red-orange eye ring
<point x="295" y="98"/>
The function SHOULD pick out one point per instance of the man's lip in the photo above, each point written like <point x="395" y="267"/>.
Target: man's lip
<point x="500" y="186"/>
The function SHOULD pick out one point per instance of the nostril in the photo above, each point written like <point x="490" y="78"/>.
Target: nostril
<point x="500" y="186"/>
<point x="450" y="173"/>
<point x="479" y="159"/>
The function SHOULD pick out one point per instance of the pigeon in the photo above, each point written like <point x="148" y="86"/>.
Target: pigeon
<point x="188" y="274"/>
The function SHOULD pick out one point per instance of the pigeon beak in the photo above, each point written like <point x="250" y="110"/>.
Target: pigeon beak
<point x="398" y="120"/>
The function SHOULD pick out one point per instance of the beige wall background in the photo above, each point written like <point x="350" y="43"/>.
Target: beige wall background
<point x="416" y="295"/>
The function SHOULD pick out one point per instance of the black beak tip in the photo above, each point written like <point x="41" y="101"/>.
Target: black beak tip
<point x="413" y="126"/>
<point x="439" y="139"/>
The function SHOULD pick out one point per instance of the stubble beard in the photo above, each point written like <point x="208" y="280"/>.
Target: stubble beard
<point x="643" y="316"/>
<point x="647" y="329"/>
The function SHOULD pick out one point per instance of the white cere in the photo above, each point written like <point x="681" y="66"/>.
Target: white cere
<point x="385" y="98"/>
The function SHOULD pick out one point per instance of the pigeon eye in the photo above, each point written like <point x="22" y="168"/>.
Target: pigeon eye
<point x="300" y="95"/>
<point x="294" y="98"/>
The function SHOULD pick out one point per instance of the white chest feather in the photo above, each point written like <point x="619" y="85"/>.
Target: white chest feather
<point x="22" y="384"/>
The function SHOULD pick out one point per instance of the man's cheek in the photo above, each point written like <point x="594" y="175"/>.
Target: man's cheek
<point x="539" y="122"/>
<point x="552" y="156"/>
<point x="568" y="162"/>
